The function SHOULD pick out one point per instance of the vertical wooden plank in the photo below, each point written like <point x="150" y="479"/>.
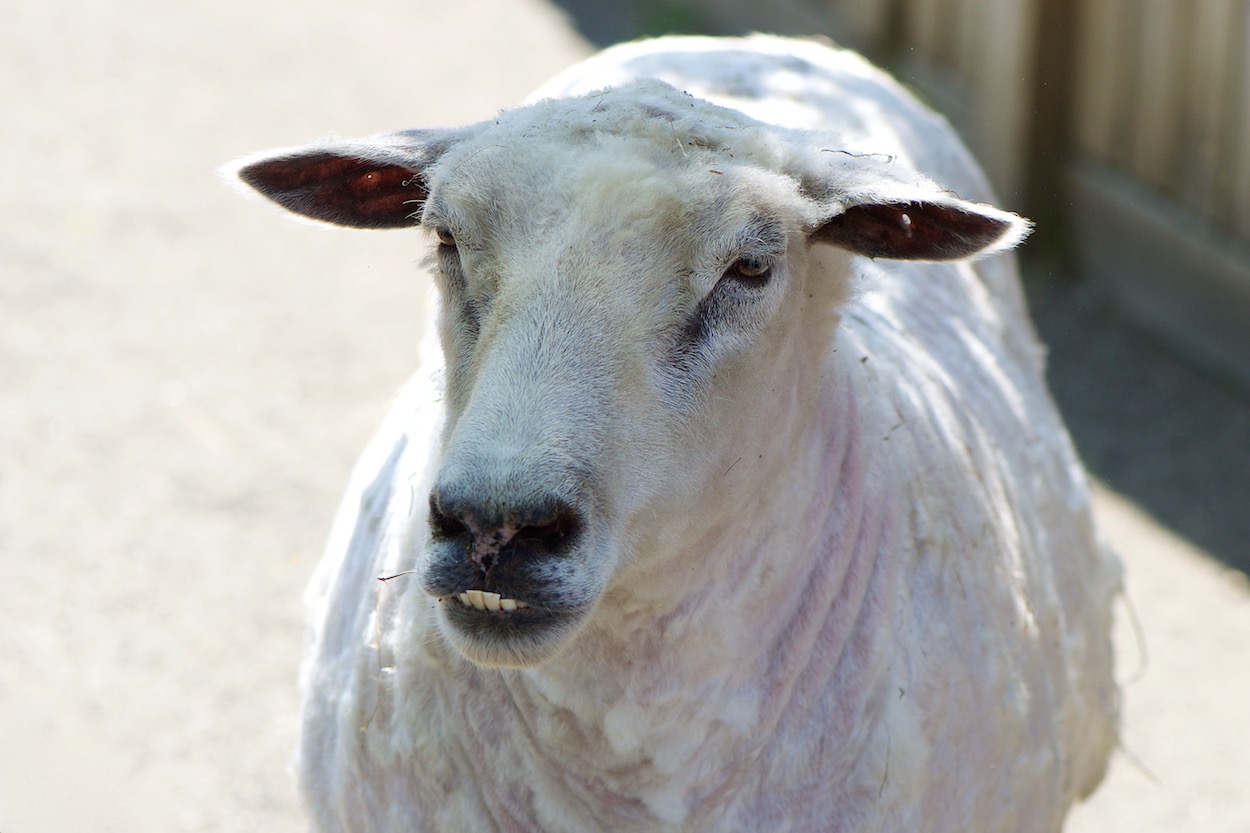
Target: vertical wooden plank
<point x="1203" y="123"/>
<point x="1153" y="141"/>
<point x="925" y="25"/>
<point x="969" y="35"/>
<point x="1006" y="84"/>
<point x="1125" y="47"/>
<point x="948" y="34"/>
<point x="1239" y="127"/>
<point x="1223" y="107"/>
<point x="918" y="27"/>
<point x="1095" y="79"/>
<point x="862" y="24"/>
<point x="1054" y="102"/>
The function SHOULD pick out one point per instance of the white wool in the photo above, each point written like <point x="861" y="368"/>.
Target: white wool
<point x="836" y="568"/>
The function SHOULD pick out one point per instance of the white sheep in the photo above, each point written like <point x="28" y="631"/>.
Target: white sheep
<point x="732" y="509"/>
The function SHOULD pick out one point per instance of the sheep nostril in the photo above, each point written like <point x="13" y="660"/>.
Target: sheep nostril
<point x="445" y="526"/>
<point x="551" y="532"/>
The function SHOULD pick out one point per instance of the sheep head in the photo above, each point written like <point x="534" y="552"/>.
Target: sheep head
<point x="631" y="282"/>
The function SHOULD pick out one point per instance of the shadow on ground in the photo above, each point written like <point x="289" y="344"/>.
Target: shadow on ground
<point x="1149" y="425"/>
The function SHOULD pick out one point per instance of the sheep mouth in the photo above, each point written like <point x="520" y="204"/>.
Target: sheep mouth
<point x="495" y="630"/>
<point x="518" y="611"/>
<point x="485" y="600"/>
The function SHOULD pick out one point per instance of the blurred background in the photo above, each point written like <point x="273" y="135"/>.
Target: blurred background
<point x="186" y="375"/>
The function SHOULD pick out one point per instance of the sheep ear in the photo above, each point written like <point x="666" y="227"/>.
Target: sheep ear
<point x="923" y="229"/>
<point x="375" y="183"/>
<point x="877" y="208"/>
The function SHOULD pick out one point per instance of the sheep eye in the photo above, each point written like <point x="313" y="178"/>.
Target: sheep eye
<point x="445" y="237"/>
<point x="750" y="269"/>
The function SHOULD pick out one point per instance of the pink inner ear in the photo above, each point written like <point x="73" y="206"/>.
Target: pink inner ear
<point x="341" y="189"/>
<point x="912" y="231"/>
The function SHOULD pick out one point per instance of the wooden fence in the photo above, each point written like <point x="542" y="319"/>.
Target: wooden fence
<point x="1159" y="168"/>
<point x="1170" y="105"/>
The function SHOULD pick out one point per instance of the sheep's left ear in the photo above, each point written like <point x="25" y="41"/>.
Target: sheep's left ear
<point x="883" y="210"/>
<point x="948" y="229"/>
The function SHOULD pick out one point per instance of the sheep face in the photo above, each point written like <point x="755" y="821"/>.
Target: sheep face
<point x="630" y="281"/>
<point x="587" y="333"/>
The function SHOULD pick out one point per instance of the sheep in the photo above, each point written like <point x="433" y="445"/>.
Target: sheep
<point x="732" y="497"/>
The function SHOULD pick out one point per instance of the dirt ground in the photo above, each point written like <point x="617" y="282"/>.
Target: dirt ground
<point x="186" y="377"/>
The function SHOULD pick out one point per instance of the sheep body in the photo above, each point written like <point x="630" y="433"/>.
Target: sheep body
<point x="848" y="578"/>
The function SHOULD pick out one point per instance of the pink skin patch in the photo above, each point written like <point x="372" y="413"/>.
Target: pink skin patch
<point x="486" y="543"/>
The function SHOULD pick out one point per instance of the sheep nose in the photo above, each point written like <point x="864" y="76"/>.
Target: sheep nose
<point x="493" y="531"/>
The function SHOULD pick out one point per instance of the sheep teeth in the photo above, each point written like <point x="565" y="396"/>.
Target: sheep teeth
<point x="483" y="600"/>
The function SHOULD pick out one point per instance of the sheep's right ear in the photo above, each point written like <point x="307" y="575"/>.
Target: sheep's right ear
<point x="373" y="183"/>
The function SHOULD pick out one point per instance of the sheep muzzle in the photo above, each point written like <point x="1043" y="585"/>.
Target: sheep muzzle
<point x="508" y="574"/>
